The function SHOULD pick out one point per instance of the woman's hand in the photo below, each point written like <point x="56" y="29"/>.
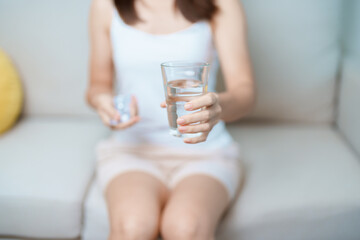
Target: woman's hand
<point x="202" y="121"/>
<point x="108" y="113"/>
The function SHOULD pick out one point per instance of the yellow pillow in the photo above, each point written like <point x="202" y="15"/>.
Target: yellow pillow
<point x="10" y="94"/>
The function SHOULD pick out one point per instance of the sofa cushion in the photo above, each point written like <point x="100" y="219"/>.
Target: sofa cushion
<point x="45" y="168"/>
<point x="48" y="42"/>
<point x="349" y="113"/>
<point x="295" y="51"/>
<point x="302" y="182"/>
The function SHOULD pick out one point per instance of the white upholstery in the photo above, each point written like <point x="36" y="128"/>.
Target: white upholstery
<point x="295" y="50"/>
<point x="48" y="42"/>
<point x="6" y="238"/>
<point x="302" y="181"/>
<point x="349" y="113"/>
<point x="96" y="223"/>
<point x="45" y="168"/>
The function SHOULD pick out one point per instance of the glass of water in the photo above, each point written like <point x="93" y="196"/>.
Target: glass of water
<point x="183" y="81"/>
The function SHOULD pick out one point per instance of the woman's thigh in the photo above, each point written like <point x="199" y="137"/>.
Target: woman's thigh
<point x="134" y="201"/>
<point x="194" y="208"/>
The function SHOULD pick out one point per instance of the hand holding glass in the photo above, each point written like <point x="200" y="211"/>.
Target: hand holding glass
<point x="183" y="81"/>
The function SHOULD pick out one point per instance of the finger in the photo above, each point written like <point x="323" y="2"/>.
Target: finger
<point x="127" y="124"/>
<point x="202" y="127"/>
<point x="194" y="140"/>
<point x="105" y="118"/>
<point x="130" y="123"/>
<point x="204" y="115"/>
<point x="111" y="111"/>
<point x="134" y="111"/>
<point x="199" y="102"/>
<point x="163" y="104"/>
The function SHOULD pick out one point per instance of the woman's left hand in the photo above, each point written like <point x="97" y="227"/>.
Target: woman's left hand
<point x="202" y="121"/>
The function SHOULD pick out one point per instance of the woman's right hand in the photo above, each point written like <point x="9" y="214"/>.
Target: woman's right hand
<point x="105" y="108"/>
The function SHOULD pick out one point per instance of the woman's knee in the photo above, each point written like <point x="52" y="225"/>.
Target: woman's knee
<point x="134" y="228"/>
<point x="186" y="226"/>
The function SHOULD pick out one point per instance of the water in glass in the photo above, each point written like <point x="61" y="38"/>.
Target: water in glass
<point x="180" y="92"/>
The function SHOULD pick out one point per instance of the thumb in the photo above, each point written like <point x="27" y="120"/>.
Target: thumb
<point x="111" y="111"/>
<point x="134" y="110"/>
<point x="163" y="104"/>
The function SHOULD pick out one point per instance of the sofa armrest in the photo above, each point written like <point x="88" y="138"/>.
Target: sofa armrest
<point x="348" y="119"/>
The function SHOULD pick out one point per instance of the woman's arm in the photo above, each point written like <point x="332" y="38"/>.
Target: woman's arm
<point x="230" y="39"/>
<point x="100" y="90"/>
<point x="229" y="27"/>
<point x="101" y="65"/>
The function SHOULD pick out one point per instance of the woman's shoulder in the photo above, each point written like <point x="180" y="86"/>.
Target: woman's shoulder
<point x="102" y="5"/>
<point x="229" y="13"/>
<point x="101" y="11"/>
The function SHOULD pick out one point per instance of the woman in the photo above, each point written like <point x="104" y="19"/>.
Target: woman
<point x="155" y="183"/>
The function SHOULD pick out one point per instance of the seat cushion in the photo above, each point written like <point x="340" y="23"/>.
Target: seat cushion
<point x="45" y="168"/>
<point x="302" y="182"/>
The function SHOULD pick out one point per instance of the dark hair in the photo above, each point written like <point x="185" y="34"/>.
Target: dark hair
<point x="193" y="10"/>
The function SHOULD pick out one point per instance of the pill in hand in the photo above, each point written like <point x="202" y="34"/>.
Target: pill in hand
<point x="122" y="105"/>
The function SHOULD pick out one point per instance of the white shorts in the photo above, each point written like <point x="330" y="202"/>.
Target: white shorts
<point x="170" y="165"/>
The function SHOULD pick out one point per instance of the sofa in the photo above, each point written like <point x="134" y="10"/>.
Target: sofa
<point x="300" y="144"/>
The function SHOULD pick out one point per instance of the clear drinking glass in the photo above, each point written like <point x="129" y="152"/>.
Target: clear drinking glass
<point x="183" y="81"/>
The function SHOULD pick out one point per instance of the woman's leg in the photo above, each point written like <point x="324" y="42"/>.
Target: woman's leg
<point x="194" y="208"/>
<point x="134" y="201"/>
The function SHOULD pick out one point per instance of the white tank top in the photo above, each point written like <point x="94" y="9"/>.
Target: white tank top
<point x="137" y="56"/>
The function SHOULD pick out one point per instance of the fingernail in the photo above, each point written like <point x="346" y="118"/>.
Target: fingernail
<point x="188" y="106"/>
<point x="180" y="121"/>
<point x="186" y="140"/>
